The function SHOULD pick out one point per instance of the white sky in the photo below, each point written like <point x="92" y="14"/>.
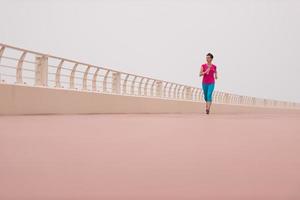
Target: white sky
<point x="255" y="43"/>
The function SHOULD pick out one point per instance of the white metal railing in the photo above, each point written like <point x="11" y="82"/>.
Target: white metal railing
<point x="22" y="66"/>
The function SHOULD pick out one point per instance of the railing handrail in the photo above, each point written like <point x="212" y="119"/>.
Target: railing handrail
<point x="87" y="64"/>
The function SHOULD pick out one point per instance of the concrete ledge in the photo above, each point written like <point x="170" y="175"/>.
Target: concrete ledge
<point x="22" y="99"/>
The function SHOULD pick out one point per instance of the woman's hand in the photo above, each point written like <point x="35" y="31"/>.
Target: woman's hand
<point x="207" y="71"/>
<point x="204" y="72"/>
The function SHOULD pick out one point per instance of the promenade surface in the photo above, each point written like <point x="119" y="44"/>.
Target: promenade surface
<point x="150" y="156"/>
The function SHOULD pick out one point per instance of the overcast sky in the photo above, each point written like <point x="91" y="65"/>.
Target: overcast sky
<point x="255" y="43"/>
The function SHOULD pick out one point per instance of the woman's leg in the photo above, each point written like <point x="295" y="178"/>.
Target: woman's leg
<point x="210" y="90"/>
<point x="204" y="88"/>
<point x="205" y="92"/>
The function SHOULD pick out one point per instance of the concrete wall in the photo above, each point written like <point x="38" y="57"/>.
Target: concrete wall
<point x="21" y="99"/>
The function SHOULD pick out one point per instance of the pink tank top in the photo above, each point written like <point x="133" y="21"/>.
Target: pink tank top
<point x="209" y="78"/>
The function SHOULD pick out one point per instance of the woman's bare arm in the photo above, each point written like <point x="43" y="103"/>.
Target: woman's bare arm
<point x="202" y="72"/>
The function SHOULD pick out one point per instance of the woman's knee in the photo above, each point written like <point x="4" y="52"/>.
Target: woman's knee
<point x="209" y="97"/>
<point x="210" y="93"/>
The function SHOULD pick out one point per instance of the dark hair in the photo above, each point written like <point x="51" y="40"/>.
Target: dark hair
<point x="210" y="55"/>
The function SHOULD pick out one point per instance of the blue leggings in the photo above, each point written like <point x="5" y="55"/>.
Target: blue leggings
<point x="208" y="89"/>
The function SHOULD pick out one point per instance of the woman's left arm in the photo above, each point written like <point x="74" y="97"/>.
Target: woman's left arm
<point x="216" y="74"/>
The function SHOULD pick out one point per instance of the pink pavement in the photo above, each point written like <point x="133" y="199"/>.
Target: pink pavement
<point x="150" y="156"/>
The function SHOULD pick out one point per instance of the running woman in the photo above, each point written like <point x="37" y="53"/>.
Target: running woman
<point x="209" y="73"/>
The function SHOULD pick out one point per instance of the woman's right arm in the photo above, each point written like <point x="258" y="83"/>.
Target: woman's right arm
<point x="201" y="71"/>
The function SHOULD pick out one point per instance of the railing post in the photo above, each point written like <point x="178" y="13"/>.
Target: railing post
<point x="254" y="101"/>
<point x="132" y="85"/>
<point x="158" y="88"/>
<point x="175" y="91"/>
<point x="178" y="92"/>
<point x="105" y="81"/>
<point x="140" y="86"/>
<point x="218" y="96"/>
<point x="125" y="84"/>
<point x="146" y="87"/>
<point x="247" y="100"/>
<point x="116" y="82"/>
<point x="241" y="98"/>
<point x="41" y="71"/>
<point x="236" y="99"/>
<point x="200" y="95"/>
<point x="221" y="97"/>
<point x="72" y="76"/>
<point x="193" y="94"/>
<point x="228" y="98"/>
<point x="214" y="96"/>
<point x="152" y="88"/>
<point x="165" y="89"/>
<point x="1" y="52"/>
<point x="19" y="76"/>
<point x="94" y="83"/>
<point x="182" y="92"/>
<point x="57" y="74"/>
<point x="85" y="77"/>
<point x="188" y="93"/>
